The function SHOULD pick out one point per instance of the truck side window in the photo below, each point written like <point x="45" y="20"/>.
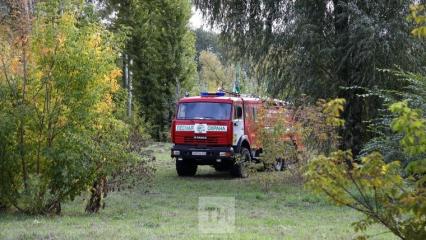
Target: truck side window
<point x="182" y="111"/>
<point x="238" y="114"/>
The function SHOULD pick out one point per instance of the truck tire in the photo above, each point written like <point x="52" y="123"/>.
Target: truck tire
<point x="240" y="169"/>
<point x="185" y="168"/>
<point x="221" y="168"/>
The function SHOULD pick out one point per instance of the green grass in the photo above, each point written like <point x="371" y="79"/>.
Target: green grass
<point x="170" y="211"/>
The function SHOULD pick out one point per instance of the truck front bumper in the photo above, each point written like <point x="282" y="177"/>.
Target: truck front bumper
<point x="203" y="155"/>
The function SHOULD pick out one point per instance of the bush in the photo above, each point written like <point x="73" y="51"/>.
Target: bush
<point x="273" y="133"/>
<point x="385" y="140"/>
<point x="376" y="188"/>
<point x="295" y="134"/>
<point x="60" y="130"/>
<point x="378" y="185"/>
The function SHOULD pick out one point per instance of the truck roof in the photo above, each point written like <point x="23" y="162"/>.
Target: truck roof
<point x="226" y="99"/>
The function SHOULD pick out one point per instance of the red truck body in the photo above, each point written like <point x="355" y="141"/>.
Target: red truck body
<point x="210" y="129"/>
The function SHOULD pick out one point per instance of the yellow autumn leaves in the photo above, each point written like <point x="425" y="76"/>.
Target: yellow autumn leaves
<point x="71" y="47"/>
<point x="417" y="15"/>
<point x="110" y="80"/>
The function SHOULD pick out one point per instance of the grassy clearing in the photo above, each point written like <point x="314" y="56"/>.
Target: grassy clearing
<point x="169" y="211"/>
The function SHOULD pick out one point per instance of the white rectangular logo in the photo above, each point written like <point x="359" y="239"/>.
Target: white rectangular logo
<point x="201" y="128"/>
<point x="216" y="215"/>
<point x="217" y="128"/>
<point x="182" y="128"/>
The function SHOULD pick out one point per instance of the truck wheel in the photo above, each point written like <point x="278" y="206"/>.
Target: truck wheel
<point x="240" y="169"/>
<point x="185" y="168"/>
<point x="221" y="168"/>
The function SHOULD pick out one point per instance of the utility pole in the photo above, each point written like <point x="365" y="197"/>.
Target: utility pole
<point x="128" y="82"/>
<point x="236" y="88"/>
<point x="126" y="71"/>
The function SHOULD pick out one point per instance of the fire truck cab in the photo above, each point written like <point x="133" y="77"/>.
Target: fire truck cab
<point x="211" y="129"/>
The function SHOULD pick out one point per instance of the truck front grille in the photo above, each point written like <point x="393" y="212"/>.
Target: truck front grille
<point x="206" y="141"/>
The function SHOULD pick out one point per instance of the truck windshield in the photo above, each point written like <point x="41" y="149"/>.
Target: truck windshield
<point x="204" y="110"/>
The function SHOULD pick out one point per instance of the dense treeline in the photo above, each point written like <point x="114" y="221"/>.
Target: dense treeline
<point x="159" y="50"/>
<point x="323" y="49"/>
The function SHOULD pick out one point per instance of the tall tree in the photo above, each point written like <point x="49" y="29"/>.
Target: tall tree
<point x="214" y="74"/>
<point x="207" y="41"/>
<point x="324" y="48"/>
<point x="58" y="130"/>
<point x="162" y="49"/>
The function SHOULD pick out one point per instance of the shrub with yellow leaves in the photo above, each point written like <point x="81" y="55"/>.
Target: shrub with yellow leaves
<point x="59" y="132"/>
<point x="290" y="136"/>
<point x="376" y="188"/>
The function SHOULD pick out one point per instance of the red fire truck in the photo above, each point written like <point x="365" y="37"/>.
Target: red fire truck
<point x="212" y="129"/>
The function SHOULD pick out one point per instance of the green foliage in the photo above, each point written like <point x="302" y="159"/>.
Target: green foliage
<point x="170" y="210"/>
<point x="59" y="131"/>
<point x="162" y="49"/>
<point x="418" y="16"/>
<point x="411" y="124"/>
<point x="207" y="41"/>
<point x="332" y="111"/>
<point x="318" y="124"/>
<point x="385" y="140"/>
<point x="376" y="188"/>
<point x="294" y="135"/>
<point x="213" y="74"/>
<point x="273" y="131"/>
<point x="318" y="47"/>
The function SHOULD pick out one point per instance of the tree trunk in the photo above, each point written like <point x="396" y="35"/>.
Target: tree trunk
<point x="351" y="135"/>
<point x="128" y="82"/>
<point x="55" y="208"/>
<point x="130" y="91"/>
<point x="97" y="194"/>
<point x="352" y="132"/>
<point x="24" y="44"/>
<point x="2" y="207"/>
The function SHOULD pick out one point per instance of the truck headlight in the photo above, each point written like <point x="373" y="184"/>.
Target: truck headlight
<point x="176" y="152"/>
<point x="224" y="154"/>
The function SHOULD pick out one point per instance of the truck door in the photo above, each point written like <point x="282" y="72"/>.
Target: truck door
<point x="238" y="123"/>
<point x="250" y="123"/>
